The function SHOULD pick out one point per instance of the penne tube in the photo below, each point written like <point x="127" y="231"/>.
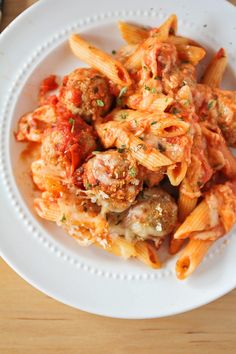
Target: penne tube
<point x="177" y="40"/>
<point x="185" y="205"/>
<point x="131" y="33"/>
<point x="47" y="209"/>
<point x="125" y="52"/>
<point x="177" y="172"/>
<point x="147" y="156"/>
<point x="147" y="254"/>
<point x="169" y="27"/>
<point x="159" y="123"/>
<point x="175" y="245"/>
<point x="198" y="220"/>
<point x="99" y="60"/>
<point x="121" y="247"/>
<point x="149" y="104"/>
<point x="190" y="53"/>
<point x="111" y="134"/>
<point x="191" y="257"/>
<point x="215" y="70"/>
<point x="157" y="35"/>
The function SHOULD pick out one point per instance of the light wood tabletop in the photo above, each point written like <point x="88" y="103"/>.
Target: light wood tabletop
<point x="31" y="322"/>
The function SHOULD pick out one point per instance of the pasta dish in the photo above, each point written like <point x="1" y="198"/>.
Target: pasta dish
<point x="134" y="149"/>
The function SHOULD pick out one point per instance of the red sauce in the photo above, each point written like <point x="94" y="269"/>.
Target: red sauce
<point x="114" y="89"/>
<point x="76" y="98"/>
<point x="48" y="84"/>
<point x="220" y="53"/>
<point x="53" y="100"/>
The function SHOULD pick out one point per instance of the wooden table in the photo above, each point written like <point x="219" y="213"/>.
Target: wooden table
<point x="31" y="322"/>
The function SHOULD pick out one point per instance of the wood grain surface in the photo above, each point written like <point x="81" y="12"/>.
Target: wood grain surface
<point x="31" y="322"/>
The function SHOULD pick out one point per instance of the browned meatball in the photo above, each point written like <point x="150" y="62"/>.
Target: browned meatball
<point x="68" y="143"/>
<point x="113" y="179"/>
<point x="154" y="216"/>
<point x="86" y="92"/>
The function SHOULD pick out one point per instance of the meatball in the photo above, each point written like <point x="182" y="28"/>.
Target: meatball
<point x="68" y="143"/>
<point x="86" y="92"/>
<point x="114" y="179"/>
<point x="154" y="216"/>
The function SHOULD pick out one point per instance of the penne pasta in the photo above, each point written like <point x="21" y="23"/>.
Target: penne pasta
<point x="125" y="52"/>
<point x="112" y="135"/>
<point x="161" y="124"/>
<point x="175" y="245"/>
<point x="186" y="205"/>
<point x="191" y="257"/>
<point x="47" y="209"/>
<point x="120" y="247"/>
<point x="177" y="172"/>
<point x="169" y="27"/>
<point x="198" y="220"/>
<point x="190" y="53"/>
<point x="131" y="33"/>
<point x="215" y="70"/>
<point x="157" y="103"/>
<point x="99" y="60"/>
<point x="147" y="254"/>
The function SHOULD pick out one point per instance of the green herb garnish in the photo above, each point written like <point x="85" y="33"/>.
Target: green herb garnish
<point x="122" y="92"/>
<point x="100" y="103"/>
<point x="154" y="122"/>
<point x="72" y="123"/>
<point x="210" y="104"/>
<point x="113" y="52"/>
<point x="124" y="115"/>
<point x="88" y="185"/>
<point x="132" y="172"/>
<point x="147" y="88"/>
<point x="63" y="219"/>
<point x="153" y="90"/>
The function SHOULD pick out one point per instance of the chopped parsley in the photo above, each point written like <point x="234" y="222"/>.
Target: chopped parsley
<point x="210" y="104"/>
<point x="122" y="91"/>
<point x="153" y="90"/>
<point x="63" y="219"/>
<point x="154" y="122"/>
<point x="100" y="103"/>
<point x="87" y="185"/>
<point x="121" y="94"/>
<point x="147" y="88"/>
<point x="72" y="123"/>
<point x="186" y="102"/>
<point x="124" y="115"/>
<point x="122" y="148"/>
<point x="157" y="78"/>
<point x="132" y="172"/>
<point x="105" y="129"/>
<point x="145" y="68"/>
<point x="113" y="52"/>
